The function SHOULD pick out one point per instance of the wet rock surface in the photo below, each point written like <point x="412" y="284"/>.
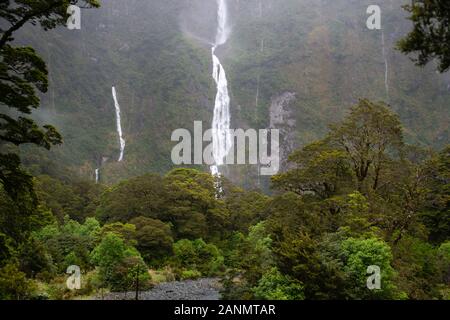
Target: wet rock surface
<point x="202" y="289"/>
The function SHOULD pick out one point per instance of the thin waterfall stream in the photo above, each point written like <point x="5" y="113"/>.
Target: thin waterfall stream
<point x="221" y="120"/>
<point x="119" y="125"/>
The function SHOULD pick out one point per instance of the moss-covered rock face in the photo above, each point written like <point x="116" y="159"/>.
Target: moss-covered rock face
<point x="157" y="55"/>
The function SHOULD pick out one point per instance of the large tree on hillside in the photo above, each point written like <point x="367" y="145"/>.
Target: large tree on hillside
<point x="369" y="137"/>
<point x="354" y="156"/>
<point x="22" y="73"/>
<point x="430" y="37"/>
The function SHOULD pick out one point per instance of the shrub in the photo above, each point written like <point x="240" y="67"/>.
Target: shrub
<point x="13" y="283"/>
<point x="119" y="263"/>
<point x="275" y="286"/>
<point x="198" y="255"/>
<point x="190" y="274"/>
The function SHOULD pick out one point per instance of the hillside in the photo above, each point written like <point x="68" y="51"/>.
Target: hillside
<point x="157" y="54"/>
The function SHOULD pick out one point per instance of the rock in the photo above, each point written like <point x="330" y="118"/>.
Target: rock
<point x="202" y="289"/>
<point x="281" y="118"/>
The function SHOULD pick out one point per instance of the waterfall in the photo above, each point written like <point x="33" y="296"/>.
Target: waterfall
<point x="221" y="138"/>
<point x="119" y="125"/>
<point x="258" y="77"/>
<point x="97" y="175"/>
<point x="386" y="66"/>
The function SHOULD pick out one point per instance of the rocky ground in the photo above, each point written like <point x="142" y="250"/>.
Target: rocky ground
<point x="202" y="289"/>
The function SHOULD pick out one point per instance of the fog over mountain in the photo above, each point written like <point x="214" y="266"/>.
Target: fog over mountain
<point x="295" y="65"/>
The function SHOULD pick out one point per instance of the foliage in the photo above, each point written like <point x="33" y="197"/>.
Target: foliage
<point x="14" y="284"/>
<point x="430" y="34"/>
<point x="138" y="197"/>
<point x="118" y="263"/>
<point x="125" y="231"/>
<point x="436" y="215"/>
<point x="199" y="256"/>
<point x="21" y="72"/>
<point x="69" y="243"/>
<point x="246" y="208"/>
<point x="357" y="198"/>
<point x="251" y="259"/>
<point x="154" y="239"/>
<point x="319" y="169"/>
<point x="368" y="136"/>
<point x="77" y="199"/>
<point x="193" y="209"/>
<point x="184" y="198"/>
<point x="273" y="285"/>
<point x="357" y="255"/>
<point x="190" y="274"/>
<point x="422" y="270"/>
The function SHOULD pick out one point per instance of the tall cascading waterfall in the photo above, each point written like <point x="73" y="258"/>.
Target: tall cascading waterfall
<point x="119" y="125"/>
<point x="386" y="65"/>
<point x="221" y="138"/>
<point x="119" y="133"/>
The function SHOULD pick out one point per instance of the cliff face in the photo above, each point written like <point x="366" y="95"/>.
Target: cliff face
<point x="296" y="65"/>
<point x="281" y="118"/>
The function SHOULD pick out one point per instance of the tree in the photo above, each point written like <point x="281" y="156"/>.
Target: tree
<point x="431" y="33"/>
<point x="126" y="231"/>
<point x="22" y="71"/>
<point x="17" y="220"/>
<point x="68" y="243"/>
<point x="357" y="255"/>
<point x="154" y="239"/>
<point x="13" y="283"/>
<point x="289" y="212"/>
<point x="250" y="259"/>
<point x="369" y="136"/>
<point x="355" y="155"/>
<point x="192" y="206"/>
<point x="275" y="286"/>
<point x="318" y="169"/>
<point x="143" y="196"/>
<point x="197" y="255"/>
<point x="420" y="267"/>
<point x="116" y="262"/>
<point x="436" y="214"/>
<point x="246" y="208"/>
<point x="77" y="199"/>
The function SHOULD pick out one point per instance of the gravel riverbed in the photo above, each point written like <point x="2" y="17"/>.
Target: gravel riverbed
<point x="202" y="289"/>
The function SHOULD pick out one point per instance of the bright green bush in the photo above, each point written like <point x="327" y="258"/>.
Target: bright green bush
<point x="275" y="286"/>
<point x="119" y="264"/>
<point x="198" y="255"/>
<point x="357" y="255"/>
<point x="190" y="275"/>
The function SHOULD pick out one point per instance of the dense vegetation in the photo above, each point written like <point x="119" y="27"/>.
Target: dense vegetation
<point x="429" y="38"/>
<point x="358" y="197"/>
<point x="157" y="54"/>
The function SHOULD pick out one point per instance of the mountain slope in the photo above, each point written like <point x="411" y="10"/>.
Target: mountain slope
<point x="157" y="54"/>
